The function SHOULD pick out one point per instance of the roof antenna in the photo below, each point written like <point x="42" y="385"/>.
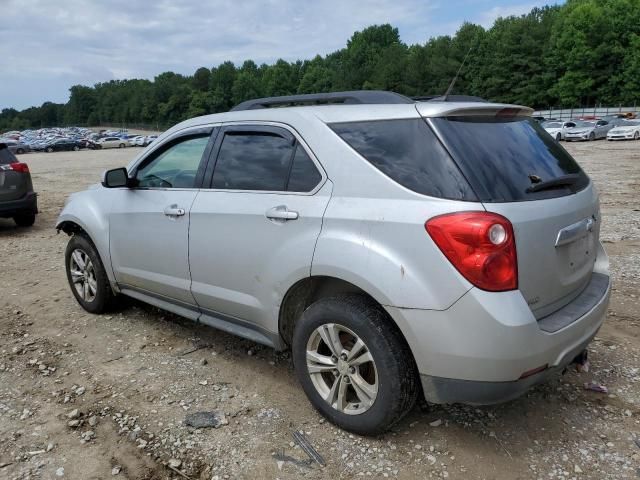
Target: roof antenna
<point x="453" y="81"/>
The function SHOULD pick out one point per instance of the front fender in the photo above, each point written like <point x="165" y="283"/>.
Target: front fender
<point x="89" y="211"/>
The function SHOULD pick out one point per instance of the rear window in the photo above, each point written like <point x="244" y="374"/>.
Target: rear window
<point x="408" y="152"/>
<point x="6" y="157"/>
<point x="504" y="156"/>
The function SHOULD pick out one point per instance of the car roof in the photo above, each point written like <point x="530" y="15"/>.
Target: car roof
<point x="346" y="113"/>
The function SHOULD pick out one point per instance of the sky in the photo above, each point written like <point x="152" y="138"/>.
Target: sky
<point x="46" y="46"/>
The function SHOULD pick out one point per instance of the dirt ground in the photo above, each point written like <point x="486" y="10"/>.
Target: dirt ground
<point x="93" y="397"/>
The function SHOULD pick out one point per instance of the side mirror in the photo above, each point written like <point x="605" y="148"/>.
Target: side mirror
<point x="116" y="178"/>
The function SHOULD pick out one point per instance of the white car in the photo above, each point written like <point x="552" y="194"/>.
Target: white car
<point x="112" y="142"/>
<point x="133" y="141"/>
<point x="557" y="129"/>
<point x="148" y="140"/>
<point x="629" y="130"/>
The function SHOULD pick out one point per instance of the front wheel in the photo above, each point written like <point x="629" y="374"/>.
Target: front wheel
<point x="86" y="275"/>
<point x="20" y="151"/>
<point x="76" y="148"/>
<point x="636" y="135"/>
<point x="558" y="137"/>
<point x="354" y="365"/>
<point x="592" y="137"/>
<point x="122" y="145"/>
<point x="49" y="149"/>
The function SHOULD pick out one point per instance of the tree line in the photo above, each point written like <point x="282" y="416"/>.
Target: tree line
<point x="583" y="53"/>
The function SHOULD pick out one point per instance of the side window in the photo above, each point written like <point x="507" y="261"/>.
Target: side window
<point x="304" y="174"/>
<point x="257" y="160"/>
<point x="175" y="166"/>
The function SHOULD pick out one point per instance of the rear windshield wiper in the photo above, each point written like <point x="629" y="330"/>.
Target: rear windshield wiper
<point x="563" y="181"/>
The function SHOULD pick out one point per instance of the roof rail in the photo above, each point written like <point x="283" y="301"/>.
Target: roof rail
<point x="448" y="98"/>
<point x="345" y="98"/>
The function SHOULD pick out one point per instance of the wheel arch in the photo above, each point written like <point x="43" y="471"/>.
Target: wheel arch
<point x="310" y="289"/>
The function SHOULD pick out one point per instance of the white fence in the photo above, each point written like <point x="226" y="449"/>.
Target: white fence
<point x="569" y="113"/>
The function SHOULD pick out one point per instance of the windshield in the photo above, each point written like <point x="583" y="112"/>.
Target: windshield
<point x="583" y="124"/>
<point x="502" y="157"/>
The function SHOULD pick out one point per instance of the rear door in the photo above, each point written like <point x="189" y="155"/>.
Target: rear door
<point x="556" y="227"/>
<point x="253" y="231"/>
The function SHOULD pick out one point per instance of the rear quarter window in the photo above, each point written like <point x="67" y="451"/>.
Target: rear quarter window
<point x="408" y="152"/>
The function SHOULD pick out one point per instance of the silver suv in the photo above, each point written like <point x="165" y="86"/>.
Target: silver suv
<point x="446" y="248"/>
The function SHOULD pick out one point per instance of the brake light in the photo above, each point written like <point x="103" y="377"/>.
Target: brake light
<point x="480" y="245"/>
<point x="19" y="167"/>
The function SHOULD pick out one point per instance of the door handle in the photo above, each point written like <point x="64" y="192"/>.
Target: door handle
<point x="281" y="212"/>
<point x="174" y="211"/>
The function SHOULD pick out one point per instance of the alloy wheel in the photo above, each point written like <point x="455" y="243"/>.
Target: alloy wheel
<point x="342" y="369"/>
<point x="83" y="275"/>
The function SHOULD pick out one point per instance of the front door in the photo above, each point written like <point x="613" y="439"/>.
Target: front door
<point x="253" y="231"/>
<point x="149" y="224"/>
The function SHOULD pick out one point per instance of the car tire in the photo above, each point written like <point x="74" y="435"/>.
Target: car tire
<point x="558" y="137"/>
<point x="49" y="149"/>
<point x="636" y="135"/>
<point x="76" y="148"/>
<point x="592" y="137"/>
<point x="353" y="319"/>
<point x="20" y="151"/>
<point x="122" y="145"/>
<point x="25" y="219"/>
<point x="94" y="294"/>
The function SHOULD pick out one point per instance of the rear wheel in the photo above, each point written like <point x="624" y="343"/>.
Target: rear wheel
<point x="86" y="275"/>
<point x="25" y="219"/>
<point x="122" y="145"/>
<point x="76" y="148"/>
<point x="20" y="151"/>
<point x="49" y="149"/>
<point x="354" y="365"/>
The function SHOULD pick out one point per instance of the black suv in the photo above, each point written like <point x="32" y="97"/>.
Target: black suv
<point x="17" y="198"/>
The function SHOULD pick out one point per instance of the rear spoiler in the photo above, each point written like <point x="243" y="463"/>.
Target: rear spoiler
<point x="442" y="109"/>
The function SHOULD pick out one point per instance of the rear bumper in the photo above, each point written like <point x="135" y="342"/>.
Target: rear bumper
<point x="477" y="350"/>
<point x="28" y="203"/>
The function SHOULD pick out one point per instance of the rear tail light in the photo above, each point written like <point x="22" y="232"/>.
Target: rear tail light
<point x="19" y="167"/>
<point x="480" y="245"/>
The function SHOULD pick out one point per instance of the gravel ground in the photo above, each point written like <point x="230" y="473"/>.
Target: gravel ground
<point x="86" y="397"/>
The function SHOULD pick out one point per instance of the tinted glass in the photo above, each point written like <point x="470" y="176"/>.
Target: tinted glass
<point x="498" y="154"/>
<point x="304" y="174"/>
<point x="408" y="152"/>
<point x="6" y="157"/>
<point x="174" y="167"/>
<point x="253" y="161"/>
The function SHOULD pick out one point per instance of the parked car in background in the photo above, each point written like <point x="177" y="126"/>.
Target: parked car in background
<point x="149" y="139"/>
<point x="111" y="142"/>
<point x="16" y="146"/>
<point x="136" y="141"/>
<point x="62" y="144"/>
<point x="557" y="129"/>
<point x="463" y="263"/>
<point x="588" y="130"/>
<point x="17" y="198"/>
<point x="628" y="130"/>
